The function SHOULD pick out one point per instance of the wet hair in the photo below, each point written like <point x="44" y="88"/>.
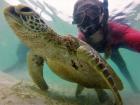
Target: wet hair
<point x="81" y="5"/>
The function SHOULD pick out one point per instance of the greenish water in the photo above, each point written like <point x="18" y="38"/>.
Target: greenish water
<point x="13" y="57"/>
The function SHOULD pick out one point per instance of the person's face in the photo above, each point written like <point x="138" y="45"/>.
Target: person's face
<point x="88" y="20"/>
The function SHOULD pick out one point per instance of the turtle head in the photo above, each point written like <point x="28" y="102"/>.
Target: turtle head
<point x="26" y="23"/>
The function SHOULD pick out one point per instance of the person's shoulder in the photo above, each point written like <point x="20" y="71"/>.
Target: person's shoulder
<point x="116" y="26"/>
<point x="121" y="27"/>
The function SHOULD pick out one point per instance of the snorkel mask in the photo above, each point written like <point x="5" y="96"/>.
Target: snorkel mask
<point x="90" y="17"/>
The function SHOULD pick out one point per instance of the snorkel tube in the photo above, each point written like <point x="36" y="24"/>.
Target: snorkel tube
<point x="105" y="3"/>
<point x="106" y="13"/>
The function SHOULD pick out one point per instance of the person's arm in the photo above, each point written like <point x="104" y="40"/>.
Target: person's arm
<point x="125" y="35"/>
<point x="132" y="39"/>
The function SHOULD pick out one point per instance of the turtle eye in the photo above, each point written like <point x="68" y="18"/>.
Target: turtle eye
<point x="26" y="9"/>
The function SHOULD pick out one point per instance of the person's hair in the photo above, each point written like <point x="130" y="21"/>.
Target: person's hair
<point x="80" y="3"/>
<point x="103" y="5"/>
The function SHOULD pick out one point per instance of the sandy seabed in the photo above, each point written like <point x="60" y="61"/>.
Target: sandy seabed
<point x="19" y="92"/>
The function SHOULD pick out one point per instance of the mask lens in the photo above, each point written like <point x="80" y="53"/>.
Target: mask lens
<point x="88" y="19"/>
<point x="89" y="24"/>
<point x="88" y="30"/>
<point x="78" y="18"/>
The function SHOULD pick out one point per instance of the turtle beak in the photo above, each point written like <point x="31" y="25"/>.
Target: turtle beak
<point x="11" y="11"/>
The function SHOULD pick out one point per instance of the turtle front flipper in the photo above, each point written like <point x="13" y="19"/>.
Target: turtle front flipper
<point x="86" y="53"/>
<point x="35" y="64"/>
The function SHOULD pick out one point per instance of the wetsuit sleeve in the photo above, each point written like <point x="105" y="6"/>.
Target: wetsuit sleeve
<point x="132" y="39"/>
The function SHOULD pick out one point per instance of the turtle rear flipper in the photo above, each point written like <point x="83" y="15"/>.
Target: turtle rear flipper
<point x="113" y="82"/>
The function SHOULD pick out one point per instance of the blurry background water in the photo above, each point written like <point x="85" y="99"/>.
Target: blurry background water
<point x="58" y="14"/>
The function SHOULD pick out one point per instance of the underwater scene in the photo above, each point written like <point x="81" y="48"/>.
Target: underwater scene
<point x="16" y="84"/>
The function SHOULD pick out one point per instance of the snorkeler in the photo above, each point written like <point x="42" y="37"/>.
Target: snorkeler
<point x="91" y="18"/>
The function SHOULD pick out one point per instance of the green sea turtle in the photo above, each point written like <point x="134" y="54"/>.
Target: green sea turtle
<point x="67" y="56"/>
